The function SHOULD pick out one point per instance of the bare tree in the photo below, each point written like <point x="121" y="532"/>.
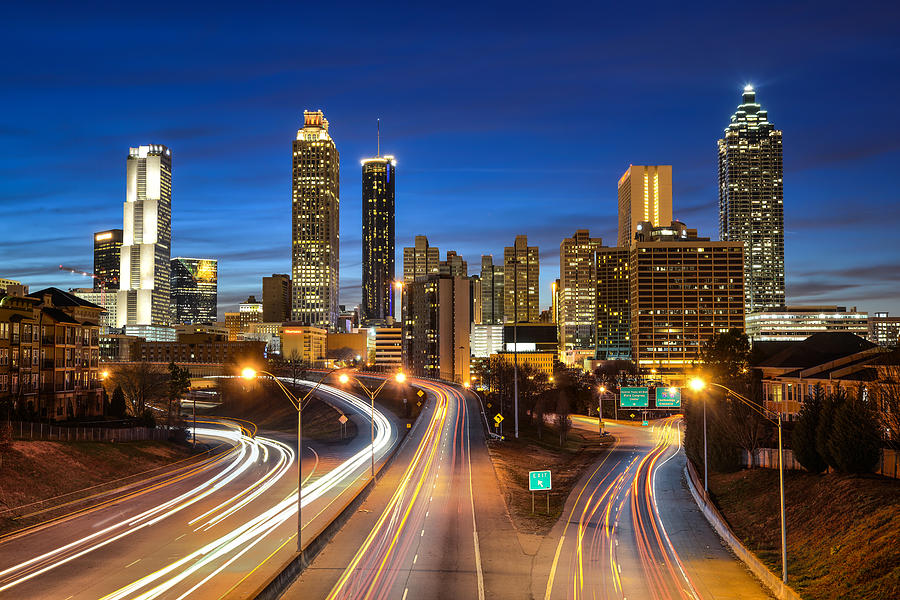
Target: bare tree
<point x="885" y="391"/>
<point x="142" y="384"/>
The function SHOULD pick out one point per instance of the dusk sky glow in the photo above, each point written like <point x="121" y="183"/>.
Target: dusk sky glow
<point x="505" y="119"/>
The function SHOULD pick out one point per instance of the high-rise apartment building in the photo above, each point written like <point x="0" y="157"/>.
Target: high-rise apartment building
<point x="315" y="258"/>
<point x="491" y="291"/>
<point x="613" y="299"/>
<point x="751" y="196"/>
<point x="378" y="238"/>
<point x="521" y="271"/>
<point x="577" y="291"/>
<point x="645" y="194"/>
<point x="107" y="259"/>
<point x="420" y="260"/>
<point x="276" y="295"/>
<point x="436" y="328"/>
<point x="195" y="290"/>
<point x="684" y="290"/>
<point x="143" y="297"/>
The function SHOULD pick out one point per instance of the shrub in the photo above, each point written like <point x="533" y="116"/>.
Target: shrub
<point x="803" y="440"/>
<point x="855" y="443"/>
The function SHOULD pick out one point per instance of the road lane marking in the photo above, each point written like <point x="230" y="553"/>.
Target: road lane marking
<point x="128" y="565"/>
<point x="472" y="502"/>
<point x="405" y="591"/>
<point x="178" y="538"/>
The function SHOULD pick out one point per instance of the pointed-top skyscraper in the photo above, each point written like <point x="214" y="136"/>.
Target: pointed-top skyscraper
<point x="751" y="196"/>
<point x="378" y="236"/>
<point x="315" y="254"/>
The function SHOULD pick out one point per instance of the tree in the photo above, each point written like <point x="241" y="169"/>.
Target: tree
<point x="563" y="422"/>
<point x="142" y="384"/>
<point x="179" y="384"/>
<point x="830" y="407"/>
<point x="855" y="443"/>
<point x="886" y="392"/>
<point x="726" y="359"/>
<point x="117" y="406"/>
<point x="803" y="440"/>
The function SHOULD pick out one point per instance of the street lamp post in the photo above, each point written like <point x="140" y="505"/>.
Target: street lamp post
<point x="249" y="373"/>
<point x="697" y="385"/>
<point x="399" y="378"/>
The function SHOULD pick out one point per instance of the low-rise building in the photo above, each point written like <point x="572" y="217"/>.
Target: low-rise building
<point x="884" y="330"/>
<point x="796" y="323"/>
<point x="304" y="343"/>
<point x="388" y="348"/>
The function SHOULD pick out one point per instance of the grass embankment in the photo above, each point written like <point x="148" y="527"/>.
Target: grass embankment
<point x="843" y="532"/>
<point x="513" y="459"/>
<point x="34" y="471"/>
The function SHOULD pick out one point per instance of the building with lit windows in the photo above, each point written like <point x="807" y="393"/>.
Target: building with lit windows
<point x="276" y="295"/>
<point x="796" y="323"/>
<point x="107" y="259"/>
<point x="303" y="343"/>
<point x="613" y="304"/>
<point x="105" y="300"/>
<point x="315" y="259"/>
<point x="577" y="291"/>
<point x="486" y="340"/>
<point x="884" y="330"/>
<point x="491" y="291"/>
<point x="436" y="328"/>
<point x="521" y="285"/>
<point x="388" y="355"/>
<point x="684" y="290"/>
<point x="420" y="260"/>
<point x="454" y="265"/>
<point x="194" y="290"/>
<point x="751" y="197"/>
<point x="645" y="194"/>
<point x="378" y="239"/>
<point x="144" y="297"/>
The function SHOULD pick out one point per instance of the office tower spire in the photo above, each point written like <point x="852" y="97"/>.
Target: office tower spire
<point x="751" y="200"/>
<point x="378" y="235"/>
<point x="315" y="258"/>
<point x="143" y="297"/>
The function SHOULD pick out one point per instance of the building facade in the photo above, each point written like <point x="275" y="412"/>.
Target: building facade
<point x="751" y="198"/>
<point x="796" y="323"/>
<point x="436" y="328"/>
<point x="276" y="295"/>
<point x="492" y="309"/>
<point x="454" y="265"/>
<point x="304" y="343"/>
<point x="613" y="304"/>
<point x="684" y="290"/>
<point x="105" y="300"/>
<point x="577" y="291"/>
<point x="315" y="258"/>
<point x="107" y="259"/>
<point x="378" y="239"/>
<point x="884" y="330"/>
<point x="194" y="290"/>
<point x="645" y="194"/>
<point x="144" y="295"/>
<point x="486" y="340"/>
<point x="521" y="285"/>
<point x="388" y="355"/>
<point x="420" y="260"/>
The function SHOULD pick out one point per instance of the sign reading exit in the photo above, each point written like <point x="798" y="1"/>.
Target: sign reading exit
<point x="538" y="480"/>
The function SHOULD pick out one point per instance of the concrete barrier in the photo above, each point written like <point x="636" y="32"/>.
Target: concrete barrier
<point x="773" y="582"/>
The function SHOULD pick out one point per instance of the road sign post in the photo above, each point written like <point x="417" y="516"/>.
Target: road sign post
<point x="539" y="481"/>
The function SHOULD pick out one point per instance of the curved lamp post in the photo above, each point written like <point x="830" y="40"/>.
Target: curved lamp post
<point x="249" y="374"/>
<point x="399" y="378"/>
<point x="697" y="385"/>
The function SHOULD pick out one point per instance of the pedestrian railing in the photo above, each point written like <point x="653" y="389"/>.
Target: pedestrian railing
<point x="45" y="431"/>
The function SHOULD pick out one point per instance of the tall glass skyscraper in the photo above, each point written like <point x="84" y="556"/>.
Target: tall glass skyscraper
<point x="194" y="290"/>
<point x="491" y="291"/>
<point x="751" y="196"/>
<point x="315" y="255"/>
<point x="378" y="238"/>
<point x="144" y="277"/>
<point x="107" y="258"/>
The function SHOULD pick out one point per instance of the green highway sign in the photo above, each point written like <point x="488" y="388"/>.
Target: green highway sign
<point x="539" y="480"/>
<point x="634" y="397"/>
<point x="668" y="397"/>
<point x="645" y="423"/>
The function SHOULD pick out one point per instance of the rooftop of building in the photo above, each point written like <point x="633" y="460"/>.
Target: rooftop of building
<point x="818" y="349"/>
<point x="61" y="298"/>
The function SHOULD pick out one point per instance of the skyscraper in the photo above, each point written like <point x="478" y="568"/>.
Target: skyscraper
<point x="420" y="260"/>
<point x="521" y="271"/>
<point x="578" y="290"/>
<point x="436" y="327"/>
<point x="276" y="291"/>
<point x="613" y="312"/>
<point x="491" y="291"/>
<point x="645" y="194"/>
<point x="107" y="258"/>
<point x="378" y="237"/>
<point x="194" y="290"/>
<point x="143" y="297"/>
<point x="316" y="222"/>
<point x="751" y="197"/>
<point x="454" y="266"/>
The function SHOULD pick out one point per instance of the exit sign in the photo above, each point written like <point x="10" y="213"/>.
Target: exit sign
<point x="538" y="480"/>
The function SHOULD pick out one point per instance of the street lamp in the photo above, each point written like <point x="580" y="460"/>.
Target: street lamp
<point x="697" y="385"/>
<point x="250" y="374"/>
<point x="602" y="390"/>
<point x="399" y="378"/>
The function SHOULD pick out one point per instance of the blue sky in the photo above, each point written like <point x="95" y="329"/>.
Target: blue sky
<point x="505" y="119"/>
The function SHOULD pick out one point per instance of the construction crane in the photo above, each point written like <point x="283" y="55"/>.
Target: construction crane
<point x="103" y="282"/>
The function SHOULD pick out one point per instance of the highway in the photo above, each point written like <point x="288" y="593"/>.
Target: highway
<point x="631" y="531"/>
<point x="213" y="533"/>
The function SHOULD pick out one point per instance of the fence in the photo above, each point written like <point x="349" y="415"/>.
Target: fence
<point x="767" y="458"/>
<point x="45" y="431"/>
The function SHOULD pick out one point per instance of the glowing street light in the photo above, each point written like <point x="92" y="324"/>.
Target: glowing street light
<point x="399" y="377"/>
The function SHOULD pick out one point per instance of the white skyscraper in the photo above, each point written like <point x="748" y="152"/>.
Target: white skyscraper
<point x="144" y="278"/>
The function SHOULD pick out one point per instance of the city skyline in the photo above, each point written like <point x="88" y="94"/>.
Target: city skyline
<point x="823" y="165"/>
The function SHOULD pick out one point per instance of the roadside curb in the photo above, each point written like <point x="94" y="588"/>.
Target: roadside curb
<point x="778" y="588"/>
<point x="291" y="570"/>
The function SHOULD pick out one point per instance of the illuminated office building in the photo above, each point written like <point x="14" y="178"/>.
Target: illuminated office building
<point x="143" y="297"/>
<point x="751" y="199"/>
<point x="436" y="328"/>
<point x="454" y="266"/>
<point x="194" y="290"/>
<point x="577" y="291"/>
<point x="613" y="304"/>
<point x="315" y="222"/>
<point x="420" y="260"/>
<point x="378" y="238"/>
<point x="884" y="330"/>
<point x="107" y="259"/>
<point x="491" y="291"/>
<point x="645" y="194"/>
<point x="521" y="271"/>
<point x="796" y="323"/>
<point x="276" y="291"/>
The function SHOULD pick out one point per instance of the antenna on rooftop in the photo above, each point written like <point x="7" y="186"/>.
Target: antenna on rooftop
<point x="378" y="146"/>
